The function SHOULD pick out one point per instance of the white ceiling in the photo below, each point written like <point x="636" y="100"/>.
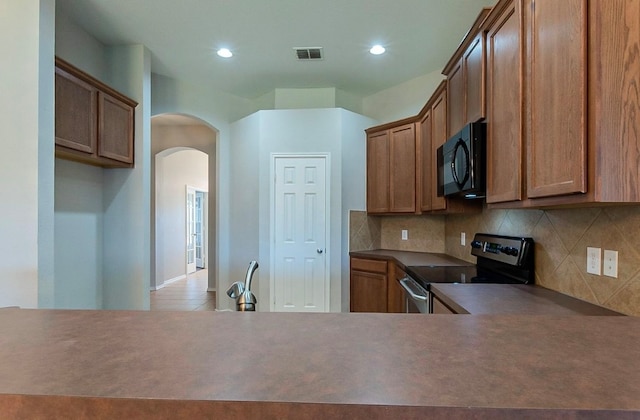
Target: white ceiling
<point x="420" y="36"/>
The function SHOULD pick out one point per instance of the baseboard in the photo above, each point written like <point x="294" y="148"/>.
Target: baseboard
<point x="173" y="280"/>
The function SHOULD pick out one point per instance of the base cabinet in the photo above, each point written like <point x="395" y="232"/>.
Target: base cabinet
<point x="94" y="124"/>
<point x="369" y="279"/>
<point x="395" y="293"/>
<point x="437" y="307"/>
<point x="374" y="286"/>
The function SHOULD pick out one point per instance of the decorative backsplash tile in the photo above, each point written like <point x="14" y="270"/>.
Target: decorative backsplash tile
<point x="425" y="233"/>
<point x="561" y="238"/>
<point x="364" y="231"/>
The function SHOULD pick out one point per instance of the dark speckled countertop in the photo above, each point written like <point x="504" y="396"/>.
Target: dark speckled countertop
<point x="135" y="364"/>
<point x="484" y="299"/>
<point x="488" y="299"/>
<point x="409" y="258"/>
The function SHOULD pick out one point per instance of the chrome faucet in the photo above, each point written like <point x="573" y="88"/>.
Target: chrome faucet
<point x="241" y="292"/>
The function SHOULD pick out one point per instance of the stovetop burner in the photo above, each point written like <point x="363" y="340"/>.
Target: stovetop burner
<point x="500" y="259"/>
<point x="425" y="275"/>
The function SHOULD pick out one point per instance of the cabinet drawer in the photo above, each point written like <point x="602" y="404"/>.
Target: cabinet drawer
<point x="372" y="266"/>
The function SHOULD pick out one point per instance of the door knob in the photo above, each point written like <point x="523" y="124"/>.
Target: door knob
<point x="319" y="251"/>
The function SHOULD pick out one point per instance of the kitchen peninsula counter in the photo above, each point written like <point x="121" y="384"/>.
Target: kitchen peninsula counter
<point x="137" y="364"/>
<point x="523" y="299"/>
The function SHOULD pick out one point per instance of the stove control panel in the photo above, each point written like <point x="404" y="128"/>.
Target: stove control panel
<point x="507" y="249"/>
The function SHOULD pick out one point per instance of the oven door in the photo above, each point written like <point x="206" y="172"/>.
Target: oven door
<point x="416" y="298"/>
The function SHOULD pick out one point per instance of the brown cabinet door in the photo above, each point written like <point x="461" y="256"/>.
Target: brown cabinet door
<point x="115" y="129"/>
<point x="368" y="292"/>
<point x="426" y="162"/>
<point x="395" y="292"/>
<point x="402" y="170"/>
<point x="557" y="145"/>
<point x="504" y="113"/>
<point x="440" y="308"/>
<point x="438" y="138"/>
<point x="378" y="172"/>
<point x="474" y="71"/>
<point x="75" y="107"/>
<point x="456" y="99"/>
<point x="614" y="119"/>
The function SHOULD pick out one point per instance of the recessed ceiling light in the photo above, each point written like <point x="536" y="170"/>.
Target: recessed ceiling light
<point x="377" y="50"/>
<point x="225" y="53"/>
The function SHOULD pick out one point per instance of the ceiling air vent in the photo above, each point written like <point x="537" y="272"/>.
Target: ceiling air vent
<point x="308" y="53"/>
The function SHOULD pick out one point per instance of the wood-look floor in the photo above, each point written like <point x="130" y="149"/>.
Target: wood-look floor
<point x="188" y="294"/>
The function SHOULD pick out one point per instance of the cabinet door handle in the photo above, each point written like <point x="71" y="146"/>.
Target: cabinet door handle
<point x="319" y="251"/>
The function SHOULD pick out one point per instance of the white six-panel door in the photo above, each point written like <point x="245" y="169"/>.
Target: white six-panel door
<point x="301" y="282"/>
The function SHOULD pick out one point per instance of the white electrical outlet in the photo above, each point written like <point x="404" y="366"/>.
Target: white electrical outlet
<point x="463" y="238"/>
<point x="610" y="263"/>
<point x="593" y="260"/>
<point x="405" y="234"/>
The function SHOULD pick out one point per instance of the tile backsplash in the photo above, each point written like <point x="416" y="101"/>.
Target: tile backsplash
<point x="561" y="239"/>
<point x="424" y="233"/>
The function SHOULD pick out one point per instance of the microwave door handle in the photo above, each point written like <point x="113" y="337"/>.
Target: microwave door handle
<point x="460" y="144"/>
<point x="404" y="283"/>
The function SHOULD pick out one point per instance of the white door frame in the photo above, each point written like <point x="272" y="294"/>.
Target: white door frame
<point x="188" y="189"/>
<point x="272" y="223"/>
<point x="203" y="229"/>
<point x="189" y="237"/>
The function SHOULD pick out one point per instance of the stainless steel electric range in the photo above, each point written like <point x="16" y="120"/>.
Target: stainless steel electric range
<point x="500" y="259"/>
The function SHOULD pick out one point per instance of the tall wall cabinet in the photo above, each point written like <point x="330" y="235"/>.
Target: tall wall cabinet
<point x="94" y="124"/>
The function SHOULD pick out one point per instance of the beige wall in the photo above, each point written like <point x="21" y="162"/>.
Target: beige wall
<point x="561" y="238"/>
<point x="402" y="101"/>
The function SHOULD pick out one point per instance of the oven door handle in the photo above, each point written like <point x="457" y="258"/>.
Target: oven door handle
<point x="406" y="283"/>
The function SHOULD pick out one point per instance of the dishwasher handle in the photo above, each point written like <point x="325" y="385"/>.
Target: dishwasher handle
<point x="413" y="289"/>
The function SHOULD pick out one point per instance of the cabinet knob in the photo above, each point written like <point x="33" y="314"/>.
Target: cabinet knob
<point x="319" y="251"/>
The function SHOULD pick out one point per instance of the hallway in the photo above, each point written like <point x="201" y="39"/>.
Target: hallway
<point x="188" y="294"/>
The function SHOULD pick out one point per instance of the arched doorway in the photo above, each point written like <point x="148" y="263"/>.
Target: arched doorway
<point x="175" y="139"/>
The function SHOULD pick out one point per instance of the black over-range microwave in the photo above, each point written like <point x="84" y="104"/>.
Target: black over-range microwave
<point x="461" y="163"/>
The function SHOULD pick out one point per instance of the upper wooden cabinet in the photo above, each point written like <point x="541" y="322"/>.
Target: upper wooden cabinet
<point x="391" y="168"/>
<point x="94" y="124"/>
<point x="439" y="136"/>
<point x="613" y="101"/>
<point x="557" y="83"/>
<point x="569" y="109"/>
<point x="378" y="172"/>
<point x="431" y="133"/>
<point x="425" y="161"/>
<point x="466" y="72"/>
<point x="536" y="100"/>
<point x="556" y="34"/>
<point x="505" y="103"/>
